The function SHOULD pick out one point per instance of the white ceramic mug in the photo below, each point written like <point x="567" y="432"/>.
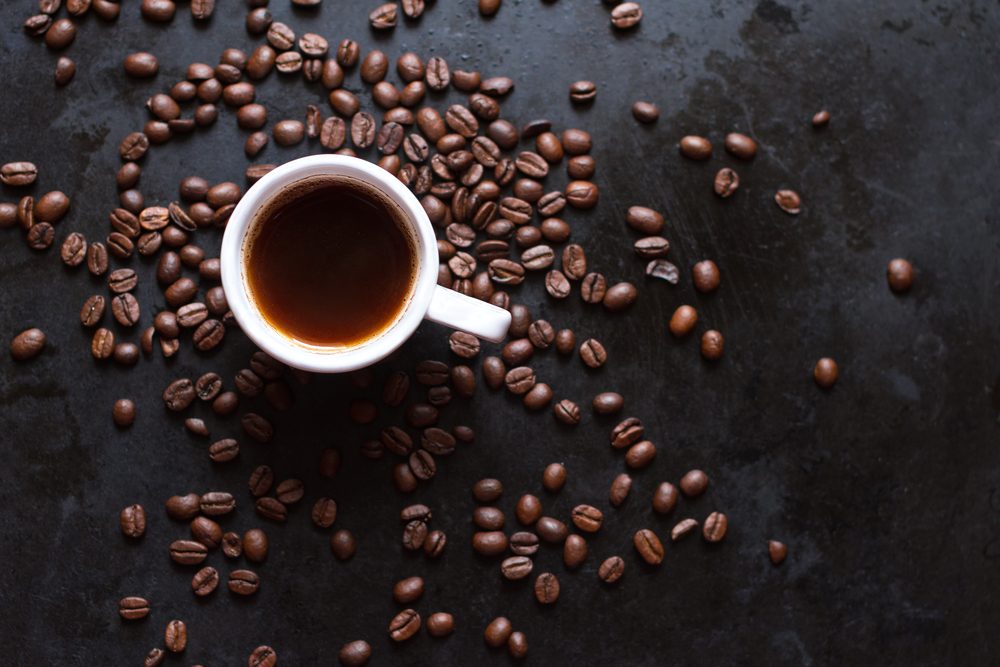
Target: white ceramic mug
<point x="426" y="299"/>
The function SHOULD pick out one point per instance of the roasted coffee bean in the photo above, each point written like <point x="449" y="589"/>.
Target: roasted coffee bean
<point x="208" y="335"/>
<point x="408" y="590"/>
<point x="640" y="455"/>
<point x="126" y="354"/>
<point x="487" y="490"/>
<point x="38" y="24"/>
<point x="626" y="15"/>
<point x="414" y="534"/>
<point x="122" y="280"/>
<point x="651" y="247"/>
<point x="727" y="181"/>
<point x="695" y="147"/>
<point x="821" y="118"/>
<point x="28" y="344"/>
<point x="567" y="412"/>
<point x="260" y="480"/>
<point x="488" y="518"/>
<point x="271" y="508"/>
<point x="547" y="588"/>
<point x="516" y="567"/>
<point x="499" y="629"/>
<point x="620" y="488"/>
<point x="179" y="394"/>
<point x="565" y="341"/>
<point x="133" y="608"/>
<point x="18" y="174"/>
<point x="538" y="396"/>
<point x="645" y="112"/>
<point x="435" y="543"/>
<point x="439" y="624"/>
<point x="102" y="345"/>
<point x="574" y="551"/>
<point x="133" y="521"/>
<point x="683" y="321"/>
<point x="422" y="464"/>
<point x="608" y="403"/>
<point x="175" y="636"/>
<point x="263" y="58"/>
<point x="363" y="129"/>
<point x="166" y="325"/>
<point x="188" y="552"/>
<point x="705" y="275"/>
<point x="554" y="477"/>
<point x="232" y="545"/>
<point x="788" y="201"/>
<point x="205" y="581"/>
<point x="506" y="272"/>
<point x="582" y="92"/>
<point x="593" y="288"/>
<point x="611" y="570"/>
<point x="438" y="441"/>
<point x="551" y="530"/>
<point x="665" y="498"/>
<point x="288" y="132"/>
<point x="620" y="296"/>
<point x="65" y="71"/>
<point x="154" y="658"/>
<point x="403" y="478"/>
<point x="223" y="451"/>
<point x="592" y="353"/>
<point x="556" y="284"/>
<point x="462" y="121"/>
<point x="825" y="372"/>
<point x="243" y="582"/>
<point x="280" y="36"/>
<point x="125" y="309"/>
<point x="582" y="194"/>
<point x="255" y="545"/>
<point x="900" y="275"/>
<point x="524" y="543"/>
<point x="384" y="16"/>
<point x="489" y="543"/>
<point x="489" y="8"/>
<point x="532" y="164"/>
<point x="694" y="483"/>
<point x="538" y="257"/>
<point x="649" y="546"/>
<point x="183" y="508"/>
<point x="741" y="146"/>
<point x="484" y="107"/>
<point x="520" y="380"/>
<point x="407" y="622"/>
<point x="60" y="34"/>
<point x="263" y="656"/>
<point x="541" y="334"/>
<point x="626" y="433"/>
<point x="207" y="532"/>
<point x="26" y="212"/>
<point x="494" y="372"/>
<point x="777" y="551"/>
<point x="92" y="311"/>
<point x="355" y="654"/>
<point x="343" y="544"/>
<point x="257" y="427"/>
<point x="712" y="345"/>
<point x="217" y="503"/>
<point x="40" y="236"/>
<point x="714" y="528"/>
<point x="587" y="518"/>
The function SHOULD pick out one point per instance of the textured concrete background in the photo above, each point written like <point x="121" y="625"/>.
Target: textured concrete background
<point x="886" y="489"/>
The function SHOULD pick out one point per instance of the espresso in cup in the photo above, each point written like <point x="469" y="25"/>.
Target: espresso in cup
<point x="330" y="262"/>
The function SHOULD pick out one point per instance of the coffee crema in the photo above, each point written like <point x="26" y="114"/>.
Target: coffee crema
<point x="330" y="262"/>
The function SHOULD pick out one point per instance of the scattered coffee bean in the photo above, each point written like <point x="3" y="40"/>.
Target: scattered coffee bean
<point x="777" y="551"/>
<point x="404" y="625"/>
<point x="133" y="608"/>
<point x="123" y="412"/>
<point x="712" y="345"/>
<point x="175" y="636"/>
<point x="826" y="372"/>
<point x="649" y="546"/>
<point x="715" y="527"/>
<point x="133" y="521"/>
<point x="665" y="498"/>
<point x="683" y="528"/>
<point x="611" y="570"/>
<point x="645" y="112"/>
<point x="547" y="588"/>
<point x="727" y="181"/>
<point x="683" y="321"/>
<point x="355" y="654"/>
<point x="694" y="483"/>
<point x="183" y="508"/>
<point x="696" y="148"/>
<point x="498" y="632"/>
<point x="516" y="568"/>
<point x="788" y="201"/>
<point x="439" y="624"/>
<point x="608" y="403"/>
<point x="28" y="344"/>
<point x="188" y="552"/>
<point x="821" y="118"/>
<point x="620" y="487"/>
<point x="900" y="275"/>
<point x="592" y="353"/>
<point x="705" y="275"/>
<point x="582" y="92"/>
<point x="243" y="582"/>
<point x="205" y="581"/>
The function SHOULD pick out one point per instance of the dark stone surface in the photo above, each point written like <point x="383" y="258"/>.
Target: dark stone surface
<point x="886" y="489"/>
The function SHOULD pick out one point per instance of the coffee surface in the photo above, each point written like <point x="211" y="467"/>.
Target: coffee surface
<point x="329" y="263"/>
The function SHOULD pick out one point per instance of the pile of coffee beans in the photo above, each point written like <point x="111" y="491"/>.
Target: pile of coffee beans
<point x="486" y="183"/>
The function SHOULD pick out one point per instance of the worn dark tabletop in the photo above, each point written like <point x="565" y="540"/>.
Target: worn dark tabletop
<point x="886" y="489"/>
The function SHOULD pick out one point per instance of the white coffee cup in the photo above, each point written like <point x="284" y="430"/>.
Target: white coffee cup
<point x="426" y="300"/>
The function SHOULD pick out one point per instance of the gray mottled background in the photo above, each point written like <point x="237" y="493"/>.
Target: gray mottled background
<point x="886" y="489"/>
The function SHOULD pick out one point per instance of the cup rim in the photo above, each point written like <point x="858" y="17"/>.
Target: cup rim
<point x="248" y="315"/>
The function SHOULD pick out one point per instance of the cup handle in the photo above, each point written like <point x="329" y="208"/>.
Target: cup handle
<point x="468" y="314"/>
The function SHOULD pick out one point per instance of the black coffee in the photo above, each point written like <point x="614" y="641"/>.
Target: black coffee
<point x="330" y="262"/>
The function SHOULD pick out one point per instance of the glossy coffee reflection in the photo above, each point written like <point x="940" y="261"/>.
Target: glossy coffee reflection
<point x="330" y="262"/>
